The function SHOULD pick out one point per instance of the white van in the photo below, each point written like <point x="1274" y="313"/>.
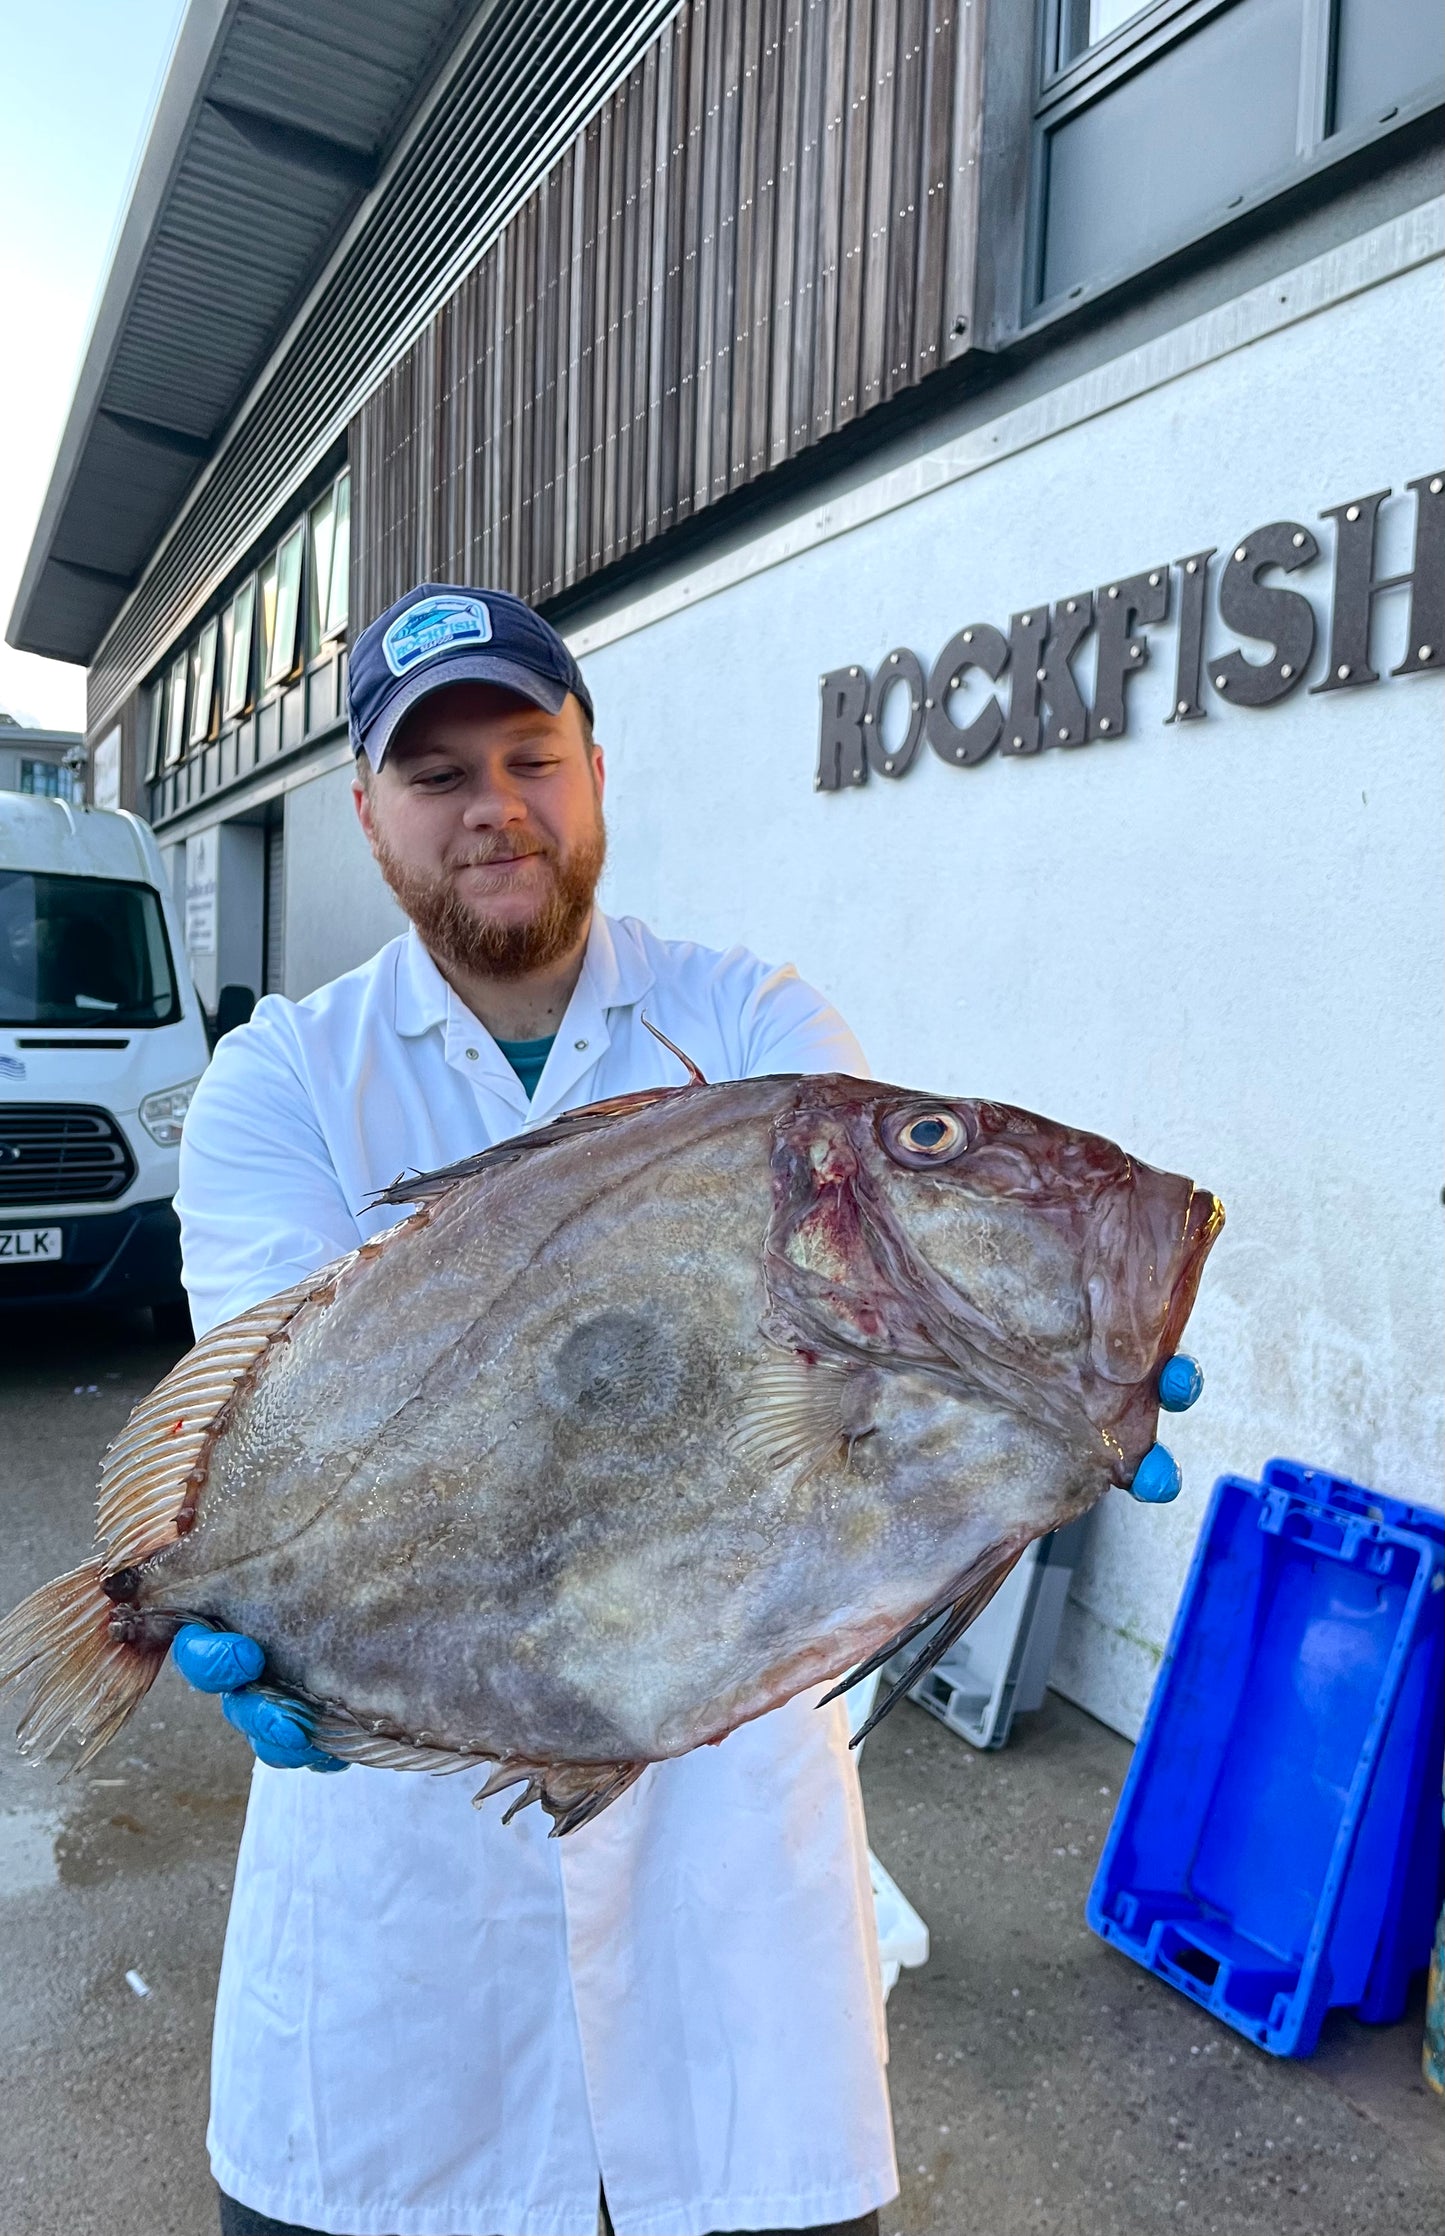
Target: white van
<point x="102" y="1041"/>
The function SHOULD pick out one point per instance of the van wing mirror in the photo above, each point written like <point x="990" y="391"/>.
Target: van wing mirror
<point x="234" y="1005"/>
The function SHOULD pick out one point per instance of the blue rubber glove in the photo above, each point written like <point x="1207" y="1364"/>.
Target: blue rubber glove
<point x="1157" y="1480"/>
<point x="222" y="1661"/>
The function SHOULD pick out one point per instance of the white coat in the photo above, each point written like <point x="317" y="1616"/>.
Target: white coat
<point x="429" y="2024"/>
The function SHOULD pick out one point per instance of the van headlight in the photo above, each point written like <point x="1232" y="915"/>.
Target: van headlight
<point x="163" y="1114"/>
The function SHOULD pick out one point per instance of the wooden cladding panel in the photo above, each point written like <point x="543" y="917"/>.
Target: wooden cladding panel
<point x="763" y="233"/>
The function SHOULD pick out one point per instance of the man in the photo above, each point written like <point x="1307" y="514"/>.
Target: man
<point x="429" y="2023"/>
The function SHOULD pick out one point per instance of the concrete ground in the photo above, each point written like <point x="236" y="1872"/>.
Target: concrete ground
<point x="1042" y="2085"/>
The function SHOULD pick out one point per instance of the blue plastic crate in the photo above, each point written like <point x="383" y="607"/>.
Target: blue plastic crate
<point x="1276" y="1848"/>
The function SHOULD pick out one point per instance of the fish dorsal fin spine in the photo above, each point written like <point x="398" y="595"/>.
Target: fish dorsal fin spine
<point x="153" y="1472"/>
<point x="424" y="1187"/>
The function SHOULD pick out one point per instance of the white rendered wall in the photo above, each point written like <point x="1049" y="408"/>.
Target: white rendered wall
<point x="1218" y="943"/>
<point x="338" y="909"/>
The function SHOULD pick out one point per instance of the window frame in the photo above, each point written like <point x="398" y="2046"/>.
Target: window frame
<point x="1061" y="91"/>
<point x="233" y="709"/>
<point x="109" y="745"/>
<point x="155" y="723"/>
<point x="287" y="594"/>
<point x="173" y="750"/>
<point x="201" y="724"/>
<point x="325" y="623"/>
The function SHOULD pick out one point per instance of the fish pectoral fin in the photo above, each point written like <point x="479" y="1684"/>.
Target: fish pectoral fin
<point x="800" y="1409"/>
<point x="964" y="1605"/>
<point x="152" y="1473"/>
<point x="572" y="1793"/>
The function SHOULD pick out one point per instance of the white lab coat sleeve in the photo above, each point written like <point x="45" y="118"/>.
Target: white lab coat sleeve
<point x="260" y="1202"/>
<point x="788" y="1026"/>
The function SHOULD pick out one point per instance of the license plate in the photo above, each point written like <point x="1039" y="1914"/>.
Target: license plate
<point x="40" y="1244"/>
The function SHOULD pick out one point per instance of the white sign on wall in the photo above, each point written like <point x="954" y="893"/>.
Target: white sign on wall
<point x="201" y="856"/>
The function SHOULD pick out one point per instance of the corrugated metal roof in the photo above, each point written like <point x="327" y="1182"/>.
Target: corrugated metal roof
<point x="273" y="121"/>
<point x="517" y="82"/>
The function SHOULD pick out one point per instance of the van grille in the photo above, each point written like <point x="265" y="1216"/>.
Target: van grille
<point x="61" y="1153"/>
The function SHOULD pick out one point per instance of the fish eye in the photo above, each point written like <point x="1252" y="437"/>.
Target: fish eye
<point x="937" y="1134"/>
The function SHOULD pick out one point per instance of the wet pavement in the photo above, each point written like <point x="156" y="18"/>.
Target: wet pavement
<point x="1042" y="2085"/>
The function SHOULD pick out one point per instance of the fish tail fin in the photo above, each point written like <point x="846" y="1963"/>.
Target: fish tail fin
<point x="74" y="1672"/>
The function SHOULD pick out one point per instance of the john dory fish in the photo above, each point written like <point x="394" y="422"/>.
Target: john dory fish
<point x="639" y="1425"/>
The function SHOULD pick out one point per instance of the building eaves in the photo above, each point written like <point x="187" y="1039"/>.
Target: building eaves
<point x="273" y="121"/>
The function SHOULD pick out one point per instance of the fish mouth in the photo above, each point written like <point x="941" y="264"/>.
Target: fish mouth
<point x="1134" y="1430"/>
<point x="1202" y="1223"/>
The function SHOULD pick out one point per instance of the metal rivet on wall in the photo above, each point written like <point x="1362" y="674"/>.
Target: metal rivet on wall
<point x="1241" y="552"/>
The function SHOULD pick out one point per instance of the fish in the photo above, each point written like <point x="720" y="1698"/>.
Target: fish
<point x="638" y="1425"/>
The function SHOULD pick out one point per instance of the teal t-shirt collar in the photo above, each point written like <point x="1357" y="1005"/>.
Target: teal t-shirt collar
<point x="528" y="1059"/>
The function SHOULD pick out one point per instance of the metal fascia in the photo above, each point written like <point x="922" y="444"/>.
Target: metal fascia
<point x="476" y="245"/>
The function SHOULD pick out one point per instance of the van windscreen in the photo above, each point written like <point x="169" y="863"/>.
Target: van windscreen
<point x="83" y="951"/>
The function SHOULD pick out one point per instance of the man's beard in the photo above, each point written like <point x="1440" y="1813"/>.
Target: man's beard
<point x="477" y="945"/>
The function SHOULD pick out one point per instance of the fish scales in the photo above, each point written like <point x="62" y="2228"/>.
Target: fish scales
<point x="640" y="1425"/>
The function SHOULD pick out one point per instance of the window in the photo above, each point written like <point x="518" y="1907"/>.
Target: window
<point x="1083" y="23"/>
<point x="238" y="633"/>
<point x="285" y="580"/>
<point x="330" y="564"/>
<point x="105" y="770"/>
<point x="203" y="683"/>
<point x="176" y="711"/>
<point x="153" y="729"/>
<point x="1155" y="122"/>
<point x="82" y="951"/>
<point x="49" y="781"/>
<point x="1387" y="52"/>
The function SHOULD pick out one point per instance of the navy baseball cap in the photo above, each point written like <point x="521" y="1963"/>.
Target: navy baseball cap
<point x="440" y="633"/>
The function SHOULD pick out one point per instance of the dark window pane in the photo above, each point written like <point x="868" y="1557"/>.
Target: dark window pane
<point x="82" y="951"/>
<point x="1168" y="148"/>
<point x="1389" y="51"/>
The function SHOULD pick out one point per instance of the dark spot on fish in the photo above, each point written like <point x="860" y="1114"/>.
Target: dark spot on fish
<point x="617" y="1367"/>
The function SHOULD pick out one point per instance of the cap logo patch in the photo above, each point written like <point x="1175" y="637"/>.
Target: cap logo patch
<point x="431" y="626"/>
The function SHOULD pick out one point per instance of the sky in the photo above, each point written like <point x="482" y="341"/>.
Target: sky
<point x="79" y="79"/>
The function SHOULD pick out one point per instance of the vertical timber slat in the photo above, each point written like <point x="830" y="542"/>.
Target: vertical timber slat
<point x="767" y="230"/>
